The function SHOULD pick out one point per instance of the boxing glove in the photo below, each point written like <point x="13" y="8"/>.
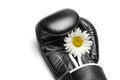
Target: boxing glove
<point x="69" y="46"/>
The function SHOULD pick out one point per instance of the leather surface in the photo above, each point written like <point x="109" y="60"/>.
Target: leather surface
<point x="91" y="72"/>
<point x="60" y="22"/>
<point x="51" y="41"/>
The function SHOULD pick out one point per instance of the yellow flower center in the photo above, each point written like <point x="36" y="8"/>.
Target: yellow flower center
<point x="77" y="41"/>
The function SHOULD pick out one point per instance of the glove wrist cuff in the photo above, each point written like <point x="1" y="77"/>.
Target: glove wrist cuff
<point x="89" y="72"/>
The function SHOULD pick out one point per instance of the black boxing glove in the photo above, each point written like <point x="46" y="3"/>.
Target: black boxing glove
<point x="69" y="45"/>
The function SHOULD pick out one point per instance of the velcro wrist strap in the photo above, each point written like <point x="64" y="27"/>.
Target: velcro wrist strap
<point x="89" y="72"/>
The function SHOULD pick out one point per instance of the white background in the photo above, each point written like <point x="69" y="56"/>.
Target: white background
<point x="20" y="58"/>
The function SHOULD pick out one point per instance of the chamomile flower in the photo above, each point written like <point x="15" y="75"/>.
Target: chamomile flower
<point x="78" y="42"/>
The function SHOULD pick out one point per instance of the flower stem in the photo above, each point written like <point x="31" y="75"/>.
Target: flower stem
<point x="74" y="61"/>
<point x="79" y="60"/>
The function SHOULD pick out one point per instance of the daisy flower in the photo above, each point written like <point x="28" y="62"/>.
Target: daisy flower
<point x="78" y="43"/>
